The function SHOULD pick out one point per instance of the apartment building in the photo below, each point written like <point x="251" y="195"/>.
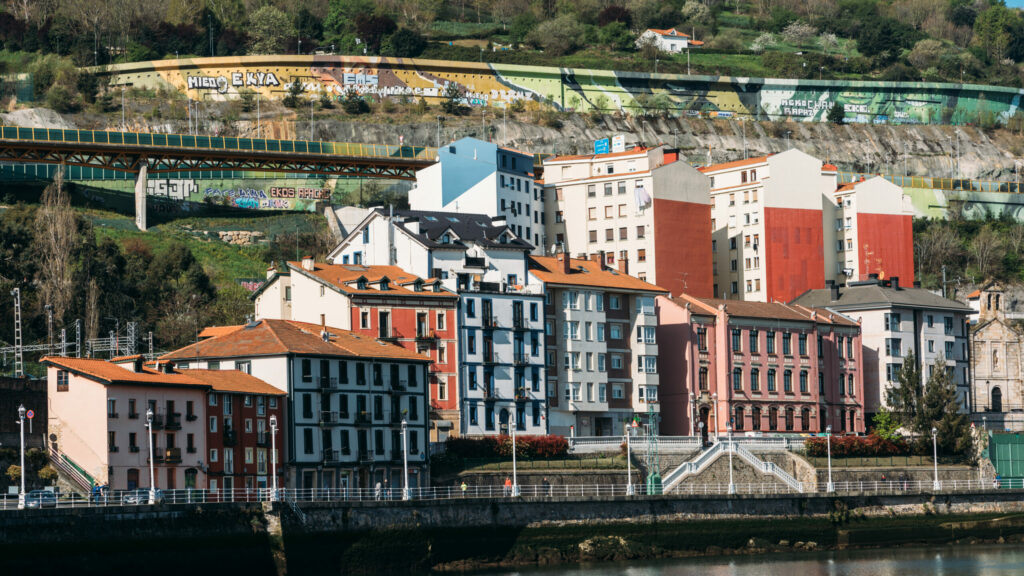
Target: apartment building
<point x="98" y="419"/>
<point x="895" y="321"/>
<point x="758" y="367"/>
<point x="500" y="323"/>
<point x="382" y="302"/>
<point x="643" y="206"/>
<point x="348" y="394"/>
<point x="476" y="177"/>
<point x="602" y="347"/>
<point x="781" y="226"/>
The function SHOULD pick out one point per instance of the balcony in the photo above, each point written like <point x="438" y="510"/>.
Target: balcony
<point x="327" y="383"/>
<point x="522" y="394"/>
<point x="363" y="419"/>
<point x="423" y="335"/>
<point x="263" y="440"/>
<point x="364" y="456"/>
<point x="331" y="456"/>
<point x="133" y="415"/>
<point x="111" y="414"/>
<point x="173" y="421"/>
<point x="491" y="393"/>
<point x="396" y="387"/>
<point x="230" y="438"/>
<point x="133" y="449"/>
<point x="489" y="286"/>
<point x="490" y="322"/>
<point x="492" y="359"/>
<point x="388" y="336"/>
<point x="522" y="359"/>
<point x="158" y="455"/>
<point x="191" y="417"/>
<point x="190" y="450"/>
<point x="476" y="262"/>
<point x="329" y="418"/>
<point x="519" y="323"/>
<point x="172" y="456"/>
<point x="158" y="421"/>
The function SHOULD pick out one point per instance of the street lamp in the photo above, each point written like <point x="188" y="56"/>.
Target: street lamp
<point x="732" y="487"/>
<point x="629" y="461"/>
<point x="21" y="423"/>
<point x="515" y="481"/>
<point x="405" y="460"/>
<point x="152" y="473"/>
<point x="273" y="456"/>
<point x="714" y="405"/>
<point x="693" y="411"/>
<point x="655" y="65"/>
<point x="830" y="487"/>
<point x="935" y="459"/>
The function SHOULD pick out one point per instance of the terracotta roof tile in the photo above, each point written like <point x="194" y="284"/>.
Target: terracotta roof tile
<point x="669" y="32"/>
<point x="636" y="151"/>
<point x="279" y="337"/>
<point x="233" y="381"/>
<point x="344" y="276"/>
<point x="586" y="273"/>
<point x="109" y="373"/>
<point x="214" y="331"/>
<point x="766" y="310"/>
<point x="973" y="295"/>
<point x="734" y="164"/>
<point x="829" y="168"/>
<point x="125" y="358"/>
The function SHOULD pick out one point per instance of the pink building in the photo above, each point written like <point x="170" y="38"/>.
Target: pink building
<point x="97" y="418"/>
<point x="764" y="367"/>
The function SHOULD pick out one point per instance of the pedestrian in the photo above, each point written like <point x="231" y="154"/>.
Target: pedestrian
<point x="464" y="488"/>
<point x="883" y="480"/>
<point x="95" y="493"/>
<point x="376" y="491"/>
<point x="508" y="486"/>
<point x="387" y="490"/>
<point x="547" y="486"/>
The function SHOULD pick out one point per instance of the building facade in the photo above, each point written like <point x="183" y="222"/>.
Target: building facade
<point x="758" y="367"/>
<point x="781" y="226"/>
<point x="381" y="302"/>
<point x="601" y="349"/>
<point x="895" y="321"/>
<point x="476" y="177"/>
<point x="670" y="40"/>
<point x="500" y="323"/>
<point x="643" y="206"/>
<point x="98" y="417"/>
<point x="347" y="397"/>
<point x="997" y="386"/>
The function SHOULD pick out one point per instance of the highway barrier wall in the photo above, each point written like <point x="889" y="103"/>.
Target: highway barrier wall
<point x="575" y="89"/>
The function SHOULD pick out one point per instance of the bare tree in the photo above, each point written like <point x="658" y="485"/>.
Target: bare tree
<point x="56" y="237"/>
<point x="92" y="311"/>
<point x="938" y="246"/>
<point x="1015" y="237"/>
<point x="986" y="249"/>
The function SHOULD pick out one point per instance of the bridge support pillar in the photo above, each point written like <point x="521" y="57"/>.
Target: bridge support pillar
<point x="140" y="196"/>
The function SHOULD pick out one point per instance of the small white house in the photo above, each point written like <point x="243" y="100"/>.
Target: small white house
<point x="670" y="40"/>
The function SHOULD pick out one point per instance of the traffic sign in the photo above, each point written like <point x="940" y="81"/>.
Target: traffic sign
<point x="30" y="414"/>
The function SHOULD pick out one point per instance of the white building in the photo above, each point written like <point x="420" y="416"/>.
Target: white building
<point x="602" y="349"/>
<point x="501" y="344"/>
<point x="898" y="320"/>
<point x="476" y="177"/>
<point x="347" y="397"/>
<point x="643" y="206"/>
<point x="670" y="40"/>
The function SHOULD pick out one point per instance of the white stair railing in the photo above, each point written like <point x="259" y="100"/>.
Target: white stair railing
<point x="695" y="466"/>
<point x="769" y="468"/>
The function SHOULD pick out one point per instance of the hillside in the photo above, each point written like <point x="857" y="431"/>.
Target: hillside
<point x="964" y="41"/>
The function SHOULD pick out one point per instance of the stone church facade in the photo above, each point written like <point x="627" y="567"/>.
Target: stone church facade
<point x="998" y="383"/>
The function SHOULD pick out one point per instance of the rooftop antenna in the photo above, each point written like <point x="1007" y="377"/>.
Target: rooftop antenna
<point x="19" y="365"/>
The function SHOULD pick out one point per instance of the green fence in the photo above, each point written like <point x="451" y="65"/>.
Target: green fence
<point x="1006" y="451"/>
<point x="384" y="151"/>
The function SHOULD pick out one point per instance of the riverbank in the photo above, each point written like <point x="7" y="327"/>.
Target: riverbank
<point x="459" y="535"/>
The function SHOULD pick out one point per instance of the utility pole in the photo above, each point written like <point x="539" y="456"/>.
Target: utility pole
<point x="78" y="338"/>
<point x="209" y="27"/>
<point x="49" y="328"/>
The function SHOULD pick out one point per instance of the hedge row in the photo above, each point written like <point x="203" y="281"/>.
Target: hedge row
<point x="529" y="446"/>
<point x="857" y="446"/>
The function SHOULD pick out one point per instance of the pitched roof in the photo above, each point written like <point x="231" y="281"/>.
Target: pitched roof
<point x="765" y="310"/>
<point x="669" y="32"/>
<point x="126" y="358"/>
<point x="345" y="278"/>
<point x="871" y="295"/>
<point x="214" y="331"/>
<point x="106" y="372"/>
<point x="734" y="164"/>
<point x="974" y="295"/>
<point x="477" y="229"/>
<point x="279" y="337"/>
<point x="829" y="168"/>
<point x="635" y="151"/>
<point x="548" y="269"/>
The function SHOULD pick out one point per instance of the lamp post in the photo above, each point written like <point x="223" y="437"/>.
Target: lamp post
<point x="515" y="481"/>
<point x="405" y="460"/>
<point x="21" y="423"/>
<point x="700" y="434"/>
<point x="629" y="461"/>
<point x="935" y="459"/>
<point x="693" y="411"/>
<point x="152" y="473"/>
<point x="830" y="487"/>
<point x="273" y="456"/>
<point x="732" y="487"/>
<point x="438" y="131"/>
<point x="714" y="405"/>
<point x="655" y="65"/>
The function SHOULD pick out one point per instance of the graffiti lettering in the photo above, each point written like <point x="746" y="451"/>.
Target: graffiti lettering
<point x="173" y="189"/>
<point x="218" y="83"/>
<point x="304" y="193"/>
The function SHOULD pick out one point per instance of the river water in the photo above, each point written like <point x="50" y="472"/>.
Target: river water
<point x="962" y="560"/>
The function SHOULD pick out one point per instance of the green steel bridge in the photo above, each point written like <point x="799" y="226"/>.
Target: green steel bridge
<point x="175" y="153"/>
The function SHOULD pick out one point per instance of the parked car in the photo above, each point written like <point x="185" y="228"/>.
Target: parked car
<point x="141" y="496"/>
<point x="40" y="499"/>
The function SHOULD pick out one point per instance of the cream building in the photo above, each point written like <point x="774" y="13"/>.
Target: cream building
<point x="998" y="384"/>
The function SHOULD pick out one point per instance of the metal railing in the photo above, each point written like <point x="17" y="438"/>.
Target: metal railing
<point x="768" y="467"/>
<point x="666" y="444"/>
<point x="593" y="491"/>
<point x="692" y="467"/>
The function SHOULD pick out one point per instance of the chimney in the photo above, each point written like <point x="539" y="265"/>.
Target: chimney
<point x="271" y="271"/>
<point x="168" y="368"/>
<point x="137" y="364"/>
<point x="597" y="257"/>
<point x="307" y="263"/>
<point x="624" y="266"/>
<point x="895" y="283"/>
<point x="835" y="292"/>
<point x="566" y="262"/>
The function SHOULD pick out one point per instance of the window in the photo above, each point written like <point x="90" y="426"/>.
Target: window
<point x="640" y="232"/>
<point x="802" y="344"/>
<point x="931" y="321"/>
<point x="770" y="339"/>
<point x="213" y="454"/>
<point x="614" y="303"/>
<point x="736" y="347"/>
<point x="753" y="341"/>
<point x="592" y="213"/>
<point x="702" y="339"/>
<point x="771" y="379"/>
<point x="949" y="351"/>
<point x="787" y="381"/>
<point x="600" y="331"/>
<point x="609" y="234"/>
<point x="615" y="332"/>
<point x="842" y="385"/>
<point x="608" y="185"/>
<point x="803" y="382"/>
<point x="608" y="213"/>
<point x="737" y="380"/>
<point x="112" y="441"/>
<point x="62" y="381"/>
<point x="893" y="347"/>
<point x="470" y="308"/>
<point x="111" y="408"/>
<point x="616" y="362"/>
<point x="892" y="372"/>
<point x="213" y="424"/>
<point x="623" y="233"/>
<point x="702" y="380"/>
<point x="641" y="255"/>
<point x="892" y="322"/>
<point x="948" y="325"/>
<point x="755" y="380"/>
<point x="593" y="235"/>
<point x="307" y="370"/>
<point x="648" y="364"/>
<point x="849" y="347"/>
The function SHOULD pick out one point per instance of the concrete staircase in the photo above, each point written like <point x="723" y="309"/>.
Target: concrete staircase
<point x="705" y="459"/>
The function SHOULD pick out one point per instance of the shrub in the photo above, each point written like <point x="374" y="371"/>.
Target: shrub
<point x="857" y="447"/>
<point x="529" y="446"/>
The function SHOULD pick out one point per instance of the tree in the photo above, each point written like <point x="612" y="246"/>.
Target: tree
<point x="522" y="25"/>
<point x="326" y="102"/>
<point x="452" y="97"/>
<point x="404" y="43"/>
<point x="986" y="249"/>
<point x="992" y="31"/>
<point x="270" y="30"/>
<point x="836" y="114"/>
<point x="695" y="12"/>
<point x="354" y="103"/>
<point x="942" y="410"/>
<point x="885" y="424"/>
<point x="798" y="33"/>
<point x="373" y="29"/>
<point x="47" y="474"/>
<point x="828" y="41"/>
<point x="904" y="398"/>
<point x="294" y="93"/>
<point x="764" y="41"/>
<point x="559" y="36"/>
<point x="615" y="36"/>
<point x="56" y="239"/>
<point x="614" y="13"/>
<point x="926" y="53"/>
<point x="14" y="472"/>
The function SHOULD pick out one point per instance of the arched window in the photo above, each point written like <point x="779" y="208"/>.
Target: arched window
<point x="997" y="399"/>
<point x="789" y="419"/>
<point x="755" y="418"/>
<point x="773" y="418"/>
<point x="738" y="423"/>
<point x="805" y="419"/>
